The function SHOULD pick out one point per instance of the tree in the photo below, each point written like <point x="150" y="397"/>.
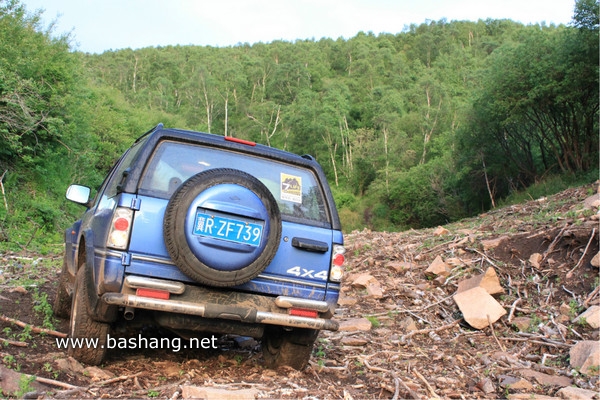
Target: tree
<point x="36" y="74"/>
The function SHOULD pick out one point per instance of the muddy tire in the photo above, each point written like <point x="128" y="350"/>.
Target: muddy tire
<point x="62" y="301"/>
<point x="84" y="327"/>
<point x="292" y="349"/>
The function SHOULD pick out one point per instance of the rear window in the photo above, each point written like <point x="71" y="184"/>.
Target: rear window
<point x="296" y="189"/>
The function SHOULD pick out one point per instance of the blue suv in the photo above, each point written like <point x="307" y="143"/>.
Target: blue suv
<point x="199" y="233"/>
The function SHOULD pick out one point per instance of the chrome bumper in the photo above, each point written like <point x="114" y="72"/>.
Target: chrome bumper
<point x="212" y="310"/>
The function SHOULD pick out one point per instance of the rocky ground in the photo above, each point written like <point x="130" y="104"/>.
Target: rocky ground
<point x="403" y="333"/>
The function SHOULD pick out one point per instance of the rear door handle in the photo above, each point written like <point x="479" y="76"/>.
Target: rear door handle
<point x="310" y="245"/>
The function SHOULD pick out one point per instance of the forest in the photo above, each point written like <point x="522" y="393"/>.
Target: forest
<point x="441" y="121"/>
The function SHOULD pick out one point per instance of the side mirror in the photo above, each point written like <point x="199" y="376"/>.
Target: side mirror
<point x="79" y="194"/>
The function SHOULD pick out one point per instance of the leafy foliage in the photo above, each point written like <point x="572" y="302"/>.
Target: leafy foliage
<point x="414" y="129"/>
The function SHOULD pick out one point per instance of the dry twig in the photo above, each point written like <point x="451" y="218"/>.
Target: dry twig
<point x="512" y="309"/>
<point x="432" y="392"/>
<point x="14" y="342"/>
<point x="33" y="328"/>
<point x="553" y="244"/>
<point x="591" y="296"/>
<point x="584" y="253"/>
<point x="435" y="330"/>
<point x="494" y="333"/>
<point x="397" y="380"/>
<point x="63" y="385"/>
<point x="116" y="379"/>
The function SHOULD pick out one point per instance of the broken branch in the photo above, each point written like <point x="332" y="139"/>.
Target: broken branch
<point x="584" y="253"/>
<point x="436" y="330"/>
<point x="35" y="329"/>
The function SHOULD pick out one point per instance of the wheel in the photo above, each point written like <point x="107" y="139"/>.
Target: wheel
<point x="62" y="301"/>
<point x="222" y="227"/>
<point x="84" y="327"/>
<point x="283" y="348"/>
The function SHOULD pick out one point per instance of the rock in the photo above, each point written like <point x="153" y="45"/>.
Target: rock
<point x="440" y="231"/>
<point x="530" y="396"/>
<point x="374" y="290"/>
<point x="545" y="379"/>
<point x="96" y="374"/>
<point x="596" y="260"/>
<point x="369" y="282"/>
<point x="564" y="309"/>
<point x="486" y="386"/>
<point x="591" y="316"/>
<point x="493" y="243"/>
<point x="363" y="280"/>
<point x="506" y="358"/>
<point x="355" y="324"/>
<point x="407" y="325"/>
<point x="438" y="268"/>
<point x="69" y="365"/>
<point x="454" y="262"/>
<point x="522" y="323"/>
<point x="574" y="393"/>
<point x="514" y="383"/>
<point x="209" y="393"/>
<point x="535" y="259"/>
<point x="401" y="266"/>
<point x="168" y="368"/>
<point x="344" y="300"/>
<point x="592" y="201"/>
<point x="479" y="308"/>
<point x="585" y="355"/>
<point x="489" y="281"/>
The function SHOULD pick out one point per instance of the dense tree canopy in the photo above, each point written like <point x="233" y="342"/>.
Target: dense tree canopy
<point x="413" y="129"/>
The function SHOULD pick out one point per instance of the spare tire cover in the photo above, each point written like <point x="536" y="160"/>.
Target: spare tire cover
<point x="222" y="227"/>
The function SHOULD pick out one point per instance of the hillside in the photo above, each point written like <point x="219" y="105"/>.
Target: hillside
<point x="414" y="344"/>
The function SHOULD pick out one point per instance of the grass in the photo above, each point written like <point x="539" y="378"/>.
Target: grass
<point x="549" y="186"/>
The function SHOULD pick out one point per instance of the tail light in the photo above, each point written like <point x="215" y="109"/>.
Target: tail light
<point x="120" y="228"/>
<point x="337" y="261"/>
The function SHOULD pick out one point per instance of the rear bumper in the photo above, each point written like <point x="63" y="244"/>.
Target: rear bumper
<point x="246" y="313"/>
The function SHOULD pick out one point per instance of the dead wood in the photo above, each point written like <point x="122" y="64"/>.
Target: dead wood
<point x="33" y="328"/>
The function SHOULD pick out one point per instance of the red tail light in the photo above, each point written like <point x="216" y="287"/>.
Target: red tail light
<point x="118" y="236"/>
<point x="337" y="260"/>
<point x="300" y="312"/>
<point x="153" y="293"/>
<point x="121" y="224"/>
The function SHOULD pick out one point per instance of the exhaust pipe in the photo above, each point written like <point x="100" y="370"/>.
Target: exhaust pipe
<point x="129" y="313"/>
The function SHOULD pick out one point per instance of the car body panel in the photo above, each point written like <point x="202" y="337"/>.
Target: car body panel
<point x="310" y="226"/>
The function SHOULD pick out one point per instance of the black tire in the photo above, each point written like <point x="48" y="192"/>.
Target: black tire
<point x="292" y="349"/>
<point x="62" y="301"/>
<point x="84" y="327"/>
<point x="179" y="243"/>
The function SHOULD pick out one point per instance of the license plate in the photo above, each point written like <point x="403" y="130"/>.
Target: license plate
<point x="230" y="229"/>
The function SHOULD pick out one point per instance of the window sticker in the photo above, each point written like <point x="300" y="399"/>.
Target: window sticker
<point x="291" y="188"/>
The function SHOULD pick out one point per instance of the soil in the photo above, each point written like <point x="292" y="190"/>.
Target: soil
<point x="418" y="344"/>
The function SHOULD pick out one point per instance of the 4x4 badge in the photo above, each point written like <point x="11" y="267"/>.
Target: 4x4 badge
<point x="307" y="273"/>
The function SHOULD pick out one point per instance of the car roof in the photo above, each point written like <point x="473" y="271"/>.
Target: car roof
<point x="159" y="133"/>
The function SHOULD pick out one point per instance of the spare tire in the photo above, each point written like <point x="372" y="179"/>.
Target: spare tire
<point x="222" y="227"/>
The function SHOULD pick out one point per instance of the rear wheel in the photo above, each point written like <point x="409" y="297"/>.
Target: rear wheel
<point x="62" y="301"/>
<point x="288" y="348"/>
<point x="84" y="327"/>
